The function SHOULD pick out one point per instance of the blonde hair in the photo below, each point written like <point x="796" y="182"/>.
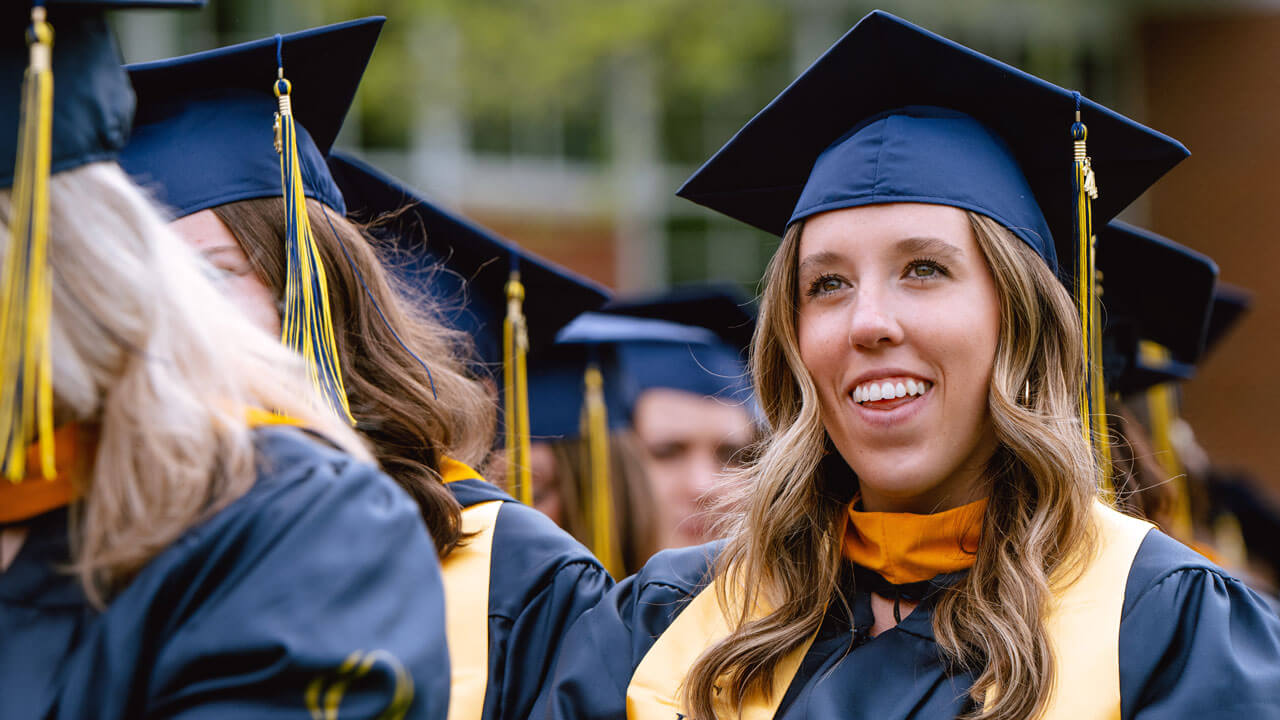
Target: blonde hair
<point x="145" y="347"/>
<point x="786" y="520"/>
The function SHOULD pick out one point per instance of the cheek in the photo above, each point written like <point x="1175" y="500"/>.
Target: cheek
<point x="822" y="344"/>
<point x="256" y="301"/>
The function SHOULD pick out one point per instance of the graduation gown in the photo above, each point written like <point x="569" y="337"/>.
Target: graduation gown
<point x="318" y="588"/>
<point x="1194" y="642"/>
<point x="534" y="580"/>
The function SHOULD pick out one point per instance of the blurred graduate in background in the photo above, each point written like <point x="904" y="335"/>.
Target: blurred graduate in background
<point x="168" y="546"/>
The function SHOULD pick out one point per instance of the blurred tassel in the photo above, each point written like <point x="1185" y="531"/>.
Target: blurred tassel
<point x="596" y="431"/>
<point x="515" y="376"/>
<point x="1162" y="410"/>
<point x="26" y="397"/>
<point x="1092" y="399"/>
<point x="308" y="328"/>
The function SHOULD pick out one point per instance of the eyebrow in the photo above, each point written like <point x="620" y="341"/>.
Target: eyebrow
<point x="216" y="249"/>
<point x="825" y="257"/>
<point x="929" y="246"/>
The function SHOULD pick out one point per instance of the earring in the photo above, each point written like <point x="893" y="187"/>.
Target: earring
<point x="1025" y="397"/>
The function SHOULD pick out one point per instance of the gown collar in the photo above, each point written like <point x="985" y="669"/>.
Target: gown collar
<point x="36" y="495"/>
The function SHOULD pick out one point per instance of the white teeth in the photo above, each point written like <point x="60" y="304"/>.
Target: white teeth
<point x="872" y="392"/>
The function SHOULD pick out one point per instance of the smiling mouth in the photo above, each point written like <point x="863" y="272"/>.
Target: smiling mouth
<point x="889" y="393"/>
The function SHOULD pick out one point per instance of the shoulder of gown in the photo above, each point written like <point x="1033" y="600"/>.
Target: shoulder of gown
<point x="318" y="587"/>
<point x="1195" y="642"/>
<point x="540" y="581"/>
<point x="603" y="648"/>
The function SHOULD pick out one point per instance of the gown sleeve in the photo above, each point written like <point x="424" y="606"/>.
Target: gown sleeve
<point x="317" y="594"/>
<point x="603" y="648"/>
<point x="1195" y="642"/>
<point x="541" y="581"/>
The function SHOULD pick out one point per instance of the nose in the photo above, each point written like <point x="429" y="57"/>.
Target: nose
<point x="874" y="322"/>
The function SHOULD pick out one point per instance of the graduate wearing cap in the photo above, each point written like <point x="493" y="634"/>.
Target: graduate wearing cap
<point x="517" y="581"/>
<point x="691" y="409"/>
<point x="928" y="531"/>
<point x="168" y="547"/>
<point x="588" y="467"/>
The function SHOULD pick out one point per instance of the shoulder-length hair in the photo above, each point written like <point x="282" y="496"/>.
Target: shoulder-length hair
<point x="411" y="415"/>
<point x="786" y="524"/>
<point x="145" y="348"/>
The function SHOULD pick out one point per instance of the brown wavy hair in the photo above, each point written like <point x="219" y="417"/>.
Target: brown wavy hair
<point x="409" y="426"/>
<point x="786" y="520"/>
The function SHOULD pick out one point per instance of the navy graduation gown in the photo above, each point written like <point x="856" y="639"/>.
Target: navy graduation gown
<point x="1194" y="643"/>
<point x="251" y="614"/>
<point x="540" y="581"/>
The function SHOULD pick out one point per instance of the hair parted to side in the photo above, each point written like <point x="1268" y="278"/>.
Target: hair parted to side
<point x="145" y="347"/>
<point x="786" y="520"/>
<point x="409" y="427"/>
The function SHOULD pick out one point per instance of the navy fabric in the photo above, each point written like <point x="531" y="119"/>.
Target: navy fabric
<point x="1154" y="290"/>
<point x="463" y="266"/>
<point x="203" y="135"/>
<point x="322" y="558"/>
<point x="926" y="155"/>
<point x="92" y="101"/>
<point x="541" y="580"/>
<point x="723" y="309"/>
<point x="1230" y="303"/>
<point x="771" y="171"/>
<point x="1195" y="643"/>
<point x="557" y="390"/>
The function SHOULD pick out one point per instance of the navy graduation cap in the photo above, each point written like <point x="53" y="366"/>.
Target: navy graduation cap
<point x="255" y="120"/>
<point x="1230" y="303"/>
<point x="203" y="134"/>
<point x="721" y="308"/>
<point x="895" y="113"/>
<point x="1157" y="296"/>
<point x="47" y="128"/>
<point x="511" y="301"/>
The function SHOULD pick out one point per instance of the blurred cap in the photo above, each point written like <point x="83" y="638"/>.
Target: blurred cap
<point x="92" y="101"/>
<point x="722" y="309"/>
<point x="895" y="113"/>
<point x="204" y="132"/>
<point x="1230" y="303"/>
<point x="461" y="264"/>
<point x="1157" y="297"/>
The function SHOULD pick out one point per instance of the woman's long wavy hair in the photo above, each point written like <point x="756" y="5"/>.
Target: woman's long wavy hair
<point x="147" y="351"/>
<point x="786" y="522"/>
<point x="410" y="415"/>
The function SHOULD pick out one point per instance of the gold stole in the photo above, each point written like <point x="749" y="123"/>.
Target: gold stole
<point x="466" y="601"/>
<point x="1083" y="624"/>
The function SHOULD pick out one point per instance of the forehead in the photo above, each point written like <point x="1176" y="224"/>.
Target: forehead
<point x="204" y="230"/>
<point x="873" y="227"/>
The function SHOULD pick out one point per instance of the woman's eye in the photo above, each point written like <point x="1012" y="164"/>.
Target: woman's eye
<point x="925" y="270"/>
<point x="825" y="284"/>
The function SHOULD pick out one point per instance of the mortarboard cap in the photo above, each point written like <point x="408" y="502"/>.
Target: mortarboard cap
<point x="557" y="392"/>
<point x="203" y="135"/>
<point x="92" y="103"/>
<point x="1156" y="303"/>
<point x="895" y="113"/>
<point x="1230" y="303"/>
<point x="477" y="260"/>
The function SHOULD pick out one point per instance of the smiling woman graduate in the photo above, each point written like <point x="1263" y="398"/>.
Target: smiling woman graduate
<point x="926" y="534"/>
<point x="168" y="547"/>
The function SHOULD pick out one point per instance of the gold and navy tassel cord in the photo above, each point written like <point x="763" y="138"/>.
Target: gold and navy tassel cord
<point x="1092" y="398"/>
<point x="595" y="430"/>
<point x="1162" y="413"/>
<point x="26" y="392"/>
<point x="515" y="382"/>
<point x="308" y="328"/>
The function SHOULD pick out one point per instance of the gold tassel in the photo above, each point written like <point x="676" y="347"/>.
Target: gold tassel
<point x="596" y="432"/>
<point x="308" y="328"/>
<point x="515" y="375"/>
<point x="1162" y="412"/>
<point x="1092" y="399"/>
<point x="26" y="395"/>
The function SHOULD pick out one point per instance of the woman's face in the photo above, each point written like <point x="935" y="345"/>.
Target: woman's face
<point x="208" y="235"/>
<point x="897" y="301"/>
